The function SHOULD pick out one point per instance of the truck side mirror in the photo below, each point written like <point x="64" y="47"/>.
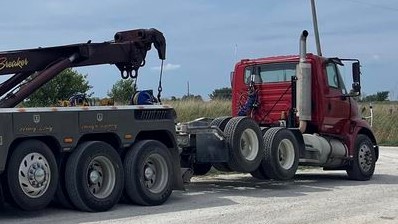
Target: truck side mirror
<point x="356" y="72"/>
<point x="356" y="76"/>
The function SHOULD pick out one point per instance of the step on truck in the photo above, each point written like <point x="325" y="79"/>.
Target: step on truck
<point x="85" y="157"/>
<point x="286" y="111"/>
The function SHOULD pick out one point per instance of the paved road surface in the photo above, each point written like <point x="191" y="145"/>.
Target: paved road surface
<point x="314" y="196"/>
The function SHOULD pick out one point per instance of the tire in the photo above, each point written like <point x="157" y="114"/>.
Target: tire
<point x="245" y="145"/>
<point x="200" y="169"/>
<point x="94" y="177"/>
<point x="221" y="122"/>
<point x="61" y="197"/>
<point x="281" y="154"/>
<point x="259" y="174"/>
<point x="149" y="173"/>
<point x="364" y="162"/>
<point x="32" y="175"/>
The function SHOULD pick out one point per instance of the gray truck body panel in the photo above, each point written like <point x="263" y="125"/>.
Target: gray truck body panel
<point x="59" y="123"/>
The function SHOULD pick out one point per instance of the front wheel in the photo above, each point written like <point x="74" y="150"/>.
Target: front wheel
<point x="32" y="175"/>
<point x="364" y="161"/>
<point x="149" y="173"/>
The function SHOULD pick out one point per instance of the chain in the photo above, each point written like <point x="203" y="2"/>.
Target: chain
<point x="160" y="83"/>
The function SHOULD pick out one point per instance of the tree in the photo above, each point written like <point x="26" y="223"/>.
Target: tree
<point x="379" y="96"/>
<point x="192" y="97"/>
<point x="62" y="87"/>
<point x="221" y="94"/>
<point x="122" y="91"/>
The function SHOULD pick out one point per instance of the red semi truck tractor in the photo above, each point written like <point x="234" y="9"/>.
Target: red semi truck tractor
<point x="286" y="111"/>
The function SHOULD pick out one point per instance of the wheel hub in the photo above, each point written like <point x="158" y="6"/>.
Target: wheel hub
<point x="365" y="158"/>
<point x="40" y="175"/>
<point x="101" y="177"/>
<point x="34" y="175"/>
<point x="94" y="177"/>
<point x="286" y="154"/>
<point x="155" y="173"/>
<point x="249" y="144"/>
<point x="149" y="173"/>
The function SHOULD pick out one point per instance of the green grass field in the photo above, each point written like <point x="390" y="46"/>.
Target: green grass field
<point x="385" y="122"/>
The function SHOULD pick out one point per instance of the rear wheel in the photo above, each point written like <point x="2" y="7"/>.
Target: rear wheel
<point x="364" y="162"/>
<point x="281" y="154"/>
<point x="61" y="197"/>
<point x="32" y="175"/>
<point x="94" y="177"/>
<point x="149" y="173"/>
<point x="245" y="145"/>
<point x="221" y="122"/>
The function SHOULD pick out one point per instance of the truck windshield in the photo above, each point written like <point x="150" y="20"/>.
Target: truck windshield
<point x="276" y="72"/>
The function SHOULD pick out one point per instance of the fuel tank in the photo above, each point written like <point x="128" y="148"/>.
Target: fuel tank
<point x="323" y="151"/>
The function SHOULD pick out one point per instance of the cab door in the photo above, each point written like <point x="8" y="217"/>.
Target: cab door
<point x="336" y="104"/>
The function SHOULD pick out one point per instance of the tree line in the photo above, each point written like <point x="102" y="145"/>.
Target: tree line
<point x="69" y="83"/>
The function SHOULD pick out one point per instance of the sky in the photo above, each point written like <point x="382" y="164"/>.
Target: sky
<point x="205" y="38"/>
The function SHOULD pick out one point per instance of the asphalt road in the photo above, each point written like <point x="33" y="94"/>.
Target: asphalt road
<point x="314" y="196"/>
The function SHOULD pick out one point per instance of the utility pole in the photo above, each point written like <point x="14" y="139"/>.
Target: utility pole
<point x="188" y="89"/>
<point x="315" y="22"/>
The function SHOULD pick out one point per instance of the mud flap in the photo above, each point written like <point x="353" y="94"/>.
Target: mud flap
<point x="178" y="183"/>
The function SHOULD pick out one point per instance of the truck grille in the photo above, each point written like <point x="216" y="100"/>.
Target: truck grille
<point x="153" y="114"/>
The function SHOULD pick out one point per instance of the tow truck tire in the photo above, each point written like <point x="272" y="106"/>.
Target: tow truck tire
<point x="149" y="173"/>
<point x="281" y="154"/>
<point x="61" y="198"/>
<point x="94" y="176"/>
<point x="363" y="164"/>
<point x="221" y="122"/>
<point x="32" y="175"/>
<point x="200" y="169"/>
<point x="245" y="144"/>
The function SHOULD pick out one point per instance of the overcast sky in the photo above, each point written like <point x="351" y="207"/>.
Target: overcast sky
<point x="205" y="38"/>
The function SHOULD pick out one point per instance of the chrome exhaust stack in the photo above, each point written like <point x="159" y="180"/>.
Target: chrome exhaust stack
<point x="303" y="92"/>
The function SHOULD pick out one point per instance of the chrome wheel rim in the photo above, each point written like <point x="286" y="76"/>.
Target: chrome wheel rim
<point x="34" y="175"/>
<point x="101" y="176"/>
<point x="249" y="144"/>
<point x="365" y="158"/>
<point x="155" y="173"/>
<point x="286" y="154"/>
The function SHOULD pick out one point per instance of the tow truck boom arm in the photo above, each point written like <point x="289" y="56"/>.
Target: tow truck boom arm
<point x="127" y="51"/>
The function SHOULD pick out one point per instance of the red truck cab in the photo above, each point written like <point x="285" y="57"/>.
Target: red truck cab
<point x="334" y="111"/>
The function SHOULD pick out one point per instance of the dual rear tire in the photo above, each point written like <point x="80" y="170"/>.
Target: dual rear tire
<point x="96" y="177"/>
<point x="281" y="158"/>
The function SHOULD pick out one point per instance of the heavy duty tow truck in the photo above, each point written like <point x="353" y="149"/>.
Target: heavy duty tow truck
<point x="85" y="157"/>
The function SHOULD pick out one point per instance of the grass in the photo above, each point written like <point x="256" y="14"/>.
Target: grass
<point x="385" y="123"/>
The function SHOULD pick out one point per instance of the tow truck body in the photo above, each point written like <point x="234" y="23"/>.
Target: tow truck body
<point x="84" y="156"/>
